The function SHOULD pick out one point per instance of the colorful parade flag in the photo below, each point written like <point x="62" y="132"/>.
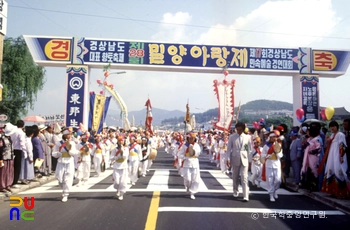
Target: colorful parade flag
<point x="98" y="110"/>
<point x="225" y="94"/>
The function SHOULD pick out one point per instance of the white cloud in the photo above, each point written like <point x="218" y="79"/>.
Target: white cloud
<point x="282" y="21"/>
<point x="170" y="30"/>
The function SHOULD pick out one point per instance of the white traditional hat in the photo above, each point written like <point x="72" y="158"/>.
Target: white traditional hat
<point x="10" y="129"/>
<point x="56" y="128"/>
<point x="67" y="131"/>
<point x="41" y="127"/>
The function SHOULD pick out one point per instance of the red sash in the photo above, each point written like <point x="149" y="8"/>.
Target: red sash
<point x="263" y="173"/>
<point x="88" y="145"/>
<point x="98" y="146"/>
<point x="133" y="146"/>
<point x="63" y="145"/>
<point x="118" y="152"/>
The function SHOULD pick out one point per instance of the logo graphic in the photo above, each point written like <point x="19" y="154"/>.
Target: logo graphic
<point x="76" y="83"/>
<point x="28" y="214"/>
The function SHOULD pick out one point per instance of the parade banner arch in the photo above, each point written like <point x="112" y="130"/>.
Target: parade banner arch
<point x="79" y="54"/>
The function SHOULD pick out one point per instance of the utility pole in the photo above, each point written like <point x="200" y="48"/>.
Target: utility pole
<point x="3" y="28"/>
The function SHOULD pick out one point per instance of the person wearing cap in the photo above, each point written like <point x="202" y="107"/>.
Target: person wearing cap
<point x="65" y="150"/>
<point x="145" y="150"/>
<point x="6" y="158"/>
<point x="238" y="148"/>
<point x="271" y="154"/>
<point x="189" y="153"/>
<point x="84" y="159"/>
<point x="27" y="170"/>
<point x="98" y="152"/>
<point x="256" y="166"/>
<point x="135" y="155"/>
<point x="295" y="150"/>
<point x="120" y="156"/>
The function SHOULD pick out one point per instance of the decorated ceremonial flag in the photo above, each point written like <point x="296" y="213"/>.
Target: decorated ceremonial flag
<point x="98" y="110"/>
<point x="187" y="117"/>
<point x="225" y="94"/>
<point x="149" y="117"/>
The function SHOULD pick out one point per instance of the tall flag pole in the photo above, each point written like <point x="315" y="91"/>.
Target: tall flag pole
<point x="238" y="110"/>
<point x="187" y="117"/>
<point x="149" y="118"/>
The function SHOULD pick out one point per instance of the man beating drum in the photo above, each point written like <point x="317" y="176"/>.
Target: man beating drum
<point x="153" y="142"/>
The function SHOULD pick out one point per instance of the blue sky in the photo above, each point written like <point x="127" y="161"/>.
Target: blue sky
<point x="295" y="23"/>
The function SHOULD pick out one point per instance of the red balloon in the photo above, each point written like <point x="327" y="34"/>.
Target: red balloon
<point x="300" y="113"/>
<point x="105" y="83"/>
<point x="99" y="81"/>
<point x="323" y="114"/>
<point x="101" y="92"/>
<point x="226" y="72"/>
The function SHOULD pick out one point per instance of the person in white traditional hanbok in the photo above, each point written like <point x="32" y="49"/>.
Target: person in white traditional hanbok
<point x="210" y="143"/>
<point x="256" y="167"/>
<point x="120" y="167"/>
<point x="272" y="153"/>
<point x="179" y="160"/>
<point x="84" y="159"/>
<point x="189" y="152"/>
<point x="222" y="150"/>
<point x="108" y="145"/>
<point x="65" y="150"/>
<point x="98" y="151"/>
<point x="135" y="155"/>
<point x="145" y="149"/>
<point x="153" y="142"/>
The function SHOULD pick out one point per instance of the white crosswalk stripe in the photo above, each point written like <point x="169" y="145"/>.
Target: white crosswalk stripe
<point x="158" y="182"/>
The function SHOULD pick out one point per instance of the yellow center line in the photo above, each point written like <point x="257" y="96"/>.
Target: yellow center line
<point x="153" y="212"/>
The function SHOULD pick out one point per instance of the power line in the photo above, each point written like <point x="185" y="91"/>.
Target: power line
<point x="174" y="24"/>
<point x="38" y="10"/>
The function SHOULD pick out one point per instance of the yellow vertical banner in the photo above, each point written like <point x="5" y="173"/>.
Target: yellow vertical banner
<point x="99" y="104"/>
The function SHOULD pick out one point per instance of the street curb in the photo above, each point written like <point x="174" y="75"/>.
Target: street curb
<point x="321" y="198"/>
<point x="23" y="187"/>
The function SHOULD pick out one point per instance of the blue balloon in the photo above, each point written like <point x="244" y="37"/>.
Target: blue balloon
<point x="79" y="132"/>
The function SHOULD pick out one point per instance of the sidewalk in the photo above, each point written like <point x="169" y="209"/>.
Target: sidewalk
<point x="24" y="187"/>
<point x="341" y="204"/>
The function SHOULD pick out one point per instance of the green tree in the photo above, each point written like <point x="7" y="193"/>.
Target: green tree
<point x="21" y="78"/>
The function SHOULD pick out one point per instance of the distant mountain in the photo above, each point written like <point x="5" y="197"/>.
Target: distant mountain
<point x="261" y="107"/>
<point x="162" y="116"/>
<point x="267" y="105"/>
<point x="113" y="117"/>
